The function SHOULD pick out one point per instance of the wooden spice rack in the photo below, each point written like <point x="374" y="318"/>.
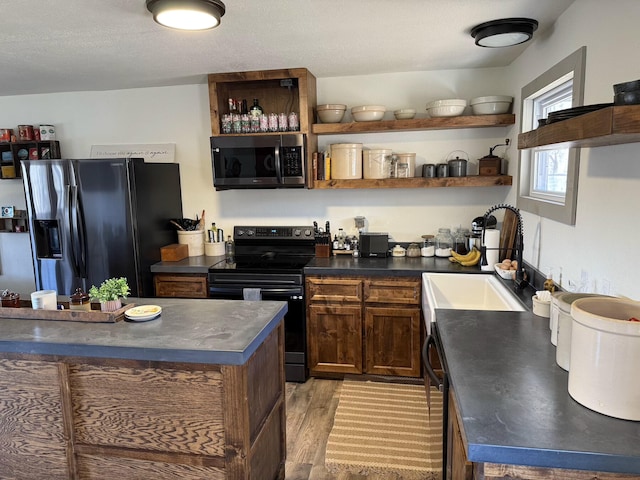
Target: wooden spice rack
<point x="66" y="315"/>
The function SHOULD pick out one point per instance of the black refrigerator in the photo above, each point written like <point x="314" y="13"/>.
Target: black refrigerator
<point x="93" y="219"/>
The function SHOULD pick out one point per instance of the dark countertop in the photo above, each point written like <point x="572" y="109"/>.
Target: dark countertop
<point x="514" y="402"/>
<point x="390" y="266"/>
<point x="223" y="332"/>
<point x="199" y="264"/>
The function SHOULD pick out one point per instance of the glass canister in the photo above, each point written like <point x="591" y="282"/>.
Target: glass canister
<point x="444" y="242"/>
<point x="460" y="240"/>
<point x="428" y="246"/>
<point x="80" y="300"/>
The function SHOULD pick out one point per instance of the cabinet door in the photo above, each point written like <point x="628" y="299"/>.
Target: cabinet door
<point x="404" y="292"/>
<point x="458" y="467"/>
<point x="181" y="286"/>
<point x="392" y="341"/>
<point x="334" y="338"/>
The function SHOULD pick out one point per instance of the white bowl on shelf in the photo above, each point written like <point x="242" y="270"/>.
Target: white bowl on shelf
<point x="331" y="112"/>
<point x="451" y="107"/>
<point x="368" y="113"/>
<point x="404" y="114"/>
<point x="491" y="105"/>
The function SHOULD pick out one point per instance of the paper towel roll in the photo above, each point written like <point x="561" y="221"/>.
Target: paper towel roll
<point x="492" y="242"/>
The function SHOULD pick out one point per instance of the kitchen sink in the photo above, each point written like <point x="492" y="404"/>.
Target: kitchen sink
<point x="459" y="291"/>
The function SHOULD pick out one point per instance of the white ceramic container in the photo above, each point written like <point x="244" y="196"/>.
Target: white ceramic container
<point x="563" y="326"/>
<point x="44" y="300"/>
<point x="194" y="239"/>
<point x="376" y="163"/>
<point x="346" y="161"/>
<point x="605" y="354"/>
<point x="491" y="105"/>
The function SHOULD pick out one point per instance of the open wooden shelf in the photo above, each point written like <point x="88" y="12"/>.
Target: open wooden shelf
<point x="415" y="124"/>
<point x="419" y="182"/>
<point x="608" y="126"/>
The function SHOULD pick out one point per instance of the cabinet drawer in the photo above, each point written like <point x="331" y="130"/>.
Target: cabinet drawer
<point x="334" y="290"/>
<point x="405" y="291"/>
<point x="182" y="286"/>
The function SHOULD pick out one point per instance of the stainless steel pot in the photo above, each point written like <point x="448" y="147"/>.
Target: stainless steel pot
<point x="443" y="170"/>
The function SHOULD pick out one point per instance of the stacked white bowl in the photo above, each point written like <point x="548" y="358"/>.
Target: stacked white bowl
<point x="331" y="112"/>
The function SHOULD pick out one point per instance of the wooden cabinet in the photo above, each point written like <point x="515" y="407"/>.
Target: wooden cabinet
<point x="334" y="325"/>
<point x="363" y="325"/>
<point x="458" y="467"/>
<point x="608" y="126"/>
<point x="278" y="91"/>
<point x="13" y="152"/>
<point x="181" y="285"/>
<point x="103" y="419"/>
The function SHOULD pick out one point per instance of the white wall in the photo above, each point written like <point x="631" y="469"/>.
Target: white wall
<point x="609" y="176"/>
<point x="600" y="245"/>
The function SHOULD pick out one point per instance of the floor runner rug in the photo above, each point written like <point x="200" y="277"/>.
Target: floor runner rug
<point x="386" y="428"/>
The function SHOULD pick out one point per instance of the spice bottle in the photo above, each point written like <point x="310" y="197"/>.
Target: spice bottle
<point x="229" y="249"/>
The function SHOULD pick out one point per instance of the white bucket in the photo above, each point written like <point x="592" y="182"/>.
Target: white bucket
<point x="215" y="249"/>
<point x="346" y="161"/>
<point x="564" y="325"/>
<point x="194" y="239"/>
<point x="376" y="163"/>
<point x="605" y="354"/>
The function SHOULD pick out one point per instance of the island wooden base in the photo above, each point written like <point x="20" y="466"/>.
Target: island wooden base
<point x="106" y="419"/>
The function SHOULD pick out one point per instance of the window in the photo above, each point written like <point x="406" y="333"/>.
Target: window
<point x="548" y="178"/>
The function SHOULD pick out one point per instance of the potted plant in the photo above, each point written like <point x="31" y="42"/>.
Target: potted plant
<point x="110" y="293"/>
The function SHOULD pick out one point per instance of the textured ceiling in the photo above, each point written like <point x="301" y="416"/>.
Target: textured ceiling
<point x="73" y="45"/>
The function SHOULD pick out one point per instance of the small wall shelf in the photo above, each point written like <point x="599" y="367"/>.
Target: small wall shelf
<point x="15" y="224"/>
<point x="415" y="124"/>
<point x="418" y="182"/>
<point x="13" y="152"/>
<point x="608" y="126"/>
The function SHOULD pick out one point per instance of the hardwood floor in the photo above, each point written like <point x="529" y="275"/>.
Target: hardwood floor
<point x="311" y="407"/>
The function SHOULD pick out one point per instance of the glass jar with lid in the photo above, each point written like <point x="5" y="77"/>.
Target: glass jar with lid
<point x="444" y="242"/>
<point x="460" y="240"/>
<point x="428" y="246"/>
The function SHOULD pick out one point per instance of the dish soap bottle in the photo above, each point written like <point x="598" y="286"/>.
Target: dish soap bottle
<point x="549" y="284"/>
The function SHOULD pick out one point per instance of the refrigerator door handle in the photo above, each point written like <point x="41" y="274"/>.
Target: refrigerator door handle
<point x="76" y="234"/>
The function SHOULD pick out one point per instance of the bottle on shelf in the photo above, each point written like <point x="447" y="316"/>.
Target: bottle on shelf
<point x="229" y="250"/>
<point x="256" y="109"/>
<point x="243" y="107"/>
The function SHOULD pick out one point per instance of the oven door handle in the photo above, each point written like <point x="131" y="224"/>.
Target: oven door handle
<point x="437" y="381"/>
<point x="265" y="291"/>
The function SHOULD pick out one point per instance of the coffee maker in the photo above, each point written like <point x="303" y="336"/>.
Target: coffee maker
<point x="476" y="230"/>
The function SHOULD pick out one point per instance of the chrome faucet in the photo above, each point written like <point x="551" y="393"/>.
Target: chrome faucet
<point x="521" y="275"/>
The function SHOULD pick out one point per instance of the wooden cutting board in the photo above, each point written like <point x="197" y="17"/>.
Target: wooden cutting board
<point x="508" y="235"/>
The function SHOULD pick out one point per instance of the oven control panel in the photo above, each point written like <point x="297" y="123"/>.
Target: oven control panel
<point x="288" y="233"/>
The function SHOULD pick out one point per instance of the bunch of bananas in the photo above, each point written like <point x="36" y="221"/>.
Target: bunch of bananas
<point x="470" y="259"/>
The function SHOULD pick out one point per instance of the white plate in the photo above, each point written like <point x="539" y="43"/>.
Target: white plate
<point x="143" y="313"/>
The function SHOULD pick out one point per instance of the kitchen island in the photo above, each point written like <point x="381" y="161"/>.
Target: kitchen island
<point x="516" y="416"/>
<point x="195" y="393"/>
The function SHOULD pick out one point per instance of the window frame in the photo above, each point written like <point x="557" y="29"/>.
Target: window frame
<point x="572" y="66"/>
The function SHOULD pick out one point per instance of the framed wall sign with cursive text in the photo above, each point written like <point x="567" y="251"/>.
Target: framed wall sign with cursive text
<point x="156" y="152"/>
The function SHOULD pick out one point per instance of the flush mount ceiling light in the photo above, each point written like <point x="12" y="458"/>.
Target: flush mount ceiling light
<point x="504" y="33"/>
<point x="187" y="14"/>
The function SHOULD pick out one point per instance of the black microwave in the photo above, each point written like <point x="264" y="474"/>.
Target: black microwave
<point x="260" y="161"/>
